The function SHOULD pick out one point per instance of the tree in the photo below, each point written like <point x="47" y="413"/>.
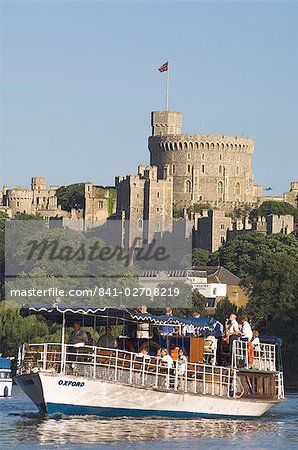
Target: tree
<point x="200" y="257"/>
<point x="224" y="309"/>
<point x="72" y="196"/>
<point x="239" y="255"/>
<point x="272" y="207"/>
<point x="26" y="216"/>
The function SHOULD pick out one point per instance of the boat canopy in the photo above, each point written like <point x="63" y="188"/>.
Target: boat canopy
<point x="98" y="316"/>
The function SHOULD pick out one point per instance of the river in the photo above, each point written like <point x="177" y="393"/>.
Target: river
<point x="21" y="426"/>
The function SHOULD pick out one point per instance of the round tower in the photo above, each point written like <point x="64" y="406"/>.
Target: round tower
<point x="215" y="169"/>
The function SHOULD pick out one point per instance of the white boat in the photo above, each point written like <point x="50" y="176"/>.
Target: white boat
<point x="5" y="377"/>
<point x="69" y="379"/>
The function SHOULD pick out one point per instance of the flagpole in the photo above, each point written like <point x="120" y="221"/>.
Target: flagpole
<point x="167" y="86"/>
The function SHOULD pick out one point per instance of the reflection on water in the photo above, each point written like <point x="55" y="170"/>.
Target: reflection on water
<point x="84" y="430"/>
<point x="18" y="426"/>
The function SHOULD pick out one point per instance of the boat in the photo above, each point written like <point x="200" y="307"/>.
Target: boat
<point x="5" y="377"/>
<point x="79" y="379"/>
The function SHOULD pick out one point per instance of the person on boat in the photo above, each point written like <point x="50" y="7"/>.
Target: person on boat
<point x="107" y="340"/>
<point x="166" y="359"/>
<point x="143" y="327"/>
<point x="232" y="326"/>
<point x="182" y="361"/>
<point x="168" y="329"/>
<point x="246" y="331"/>
<point x="90" y="340"/>
<point x="256" y="340"/>
<point x="78" y="335"/>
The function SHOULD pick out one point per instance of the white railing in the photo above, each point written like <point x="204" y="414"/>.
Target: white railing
<point x="261" y="357"/>
<point x="280" y="390"/>
<point x="129" y="368"/>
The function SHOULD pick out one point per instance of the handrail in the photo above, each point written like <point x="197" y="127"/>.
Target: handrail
<point x="121" y="366"/>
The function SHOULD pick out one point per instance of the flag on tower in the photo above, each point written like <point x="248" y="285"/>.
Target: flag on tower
<point x="164" y="67"/>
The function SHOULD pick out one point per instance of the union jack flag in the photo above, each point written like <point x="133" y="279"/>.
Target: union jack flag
<point x="164" y="67"/>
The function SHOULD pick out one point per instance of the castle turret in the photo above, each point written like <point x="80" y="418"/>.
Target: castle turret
<point x="166" y="123"/>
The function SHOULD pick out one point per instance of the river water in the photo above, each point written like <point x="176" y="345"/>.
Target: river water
<point x="21" y="426"/>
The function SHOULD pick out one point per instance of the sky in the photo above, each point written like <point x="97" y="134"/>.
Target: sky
<point x="79" y="80"/>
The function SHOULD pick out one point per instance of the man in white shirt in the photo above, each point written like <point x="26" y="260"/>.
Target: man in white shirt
<point x="246" y="331"/>
<point x="233" y="327"/>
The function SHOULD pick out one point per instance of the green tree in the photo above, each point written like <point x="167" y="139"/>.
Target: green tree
<point x="272" y="207"/>
<point x="72" y="196"/>
<point x="224" y="309"/>
<point x="200" y="257"/>
<point x="239" y="255"/>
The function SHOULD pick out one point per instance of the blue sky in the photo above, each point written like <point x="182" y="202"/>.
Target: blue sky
<point x="79" y="80"/>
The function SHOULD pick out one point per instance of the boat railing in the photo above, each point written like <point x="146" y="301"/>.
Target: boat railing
<point x="116" y="365"/>
<point x="262" y="357"/>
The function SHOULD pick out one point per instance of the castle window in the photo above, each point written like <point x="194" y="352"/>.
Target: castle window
<point x="173" y="168"/>
<point x="203" y="168"/>
<point x="137" y="195"/>
<point x="222" y="239"/>
<point x="212" y="146"/>
<point x="236" y="146"/>
<point x="167" y="146"/>
<point x="220" y="157"/>
<point x="227" y="146"/>
<point x="188" y="168"/>
<point x="18" y="204"/>
<point x="171" y="146"/>
<point x="140" y="224"/>
<point x="191" y="146"/>
<point x="188" y="186"/>
<point x="137" y="210"/>
<point x="220" y="169"/>
<point x="220" y="188"/>
<point x="158" y="194"/>
<point x="231" y="146"/>
<point x="207" y="146"/>
<point x="217" y="146"/>
<point x="175" y="146"/>
<point x="223" y="146"/>
<point x="222" y="226"/>
<point x="237" y="170"/>
<point x="239" y="147"/>
<point x="100" y="204"/>
<point x="180" y="145"/>
<point x="196" y="145"/>
<point x="185" y="145"/>
<point x="237" y="188"/>
<point x="200" y="198"/>
<point x="203" y="156"/>
<point x="202" y="145"/>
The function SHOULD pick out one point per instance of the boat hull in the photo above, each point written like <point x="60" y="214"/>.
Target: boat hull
<point x="60" y="394"/>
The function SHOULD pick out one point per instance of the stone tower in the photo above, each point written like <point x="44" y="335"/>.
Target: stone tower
<point x="214" y="169"/>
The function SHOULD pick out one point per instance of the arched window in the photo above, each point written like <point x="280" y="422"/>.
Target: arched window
<point x="188" y="186"/>
<point x="140" y="224"/>
<point x="220" y="188"/>
<point x="173" y="169"/>
<point x="207" y="146"/>
<point x="231" y="146"/>
<point x="175" y="145"/>
<point x="223" y="146"/>
<point x="171" y="146"/>
<point x="220" y="157"/>
<point x="202" y="145"/>
<point x="158" y="194"/>
<point x="167" y="146"/>
<point x="191" y="146"/>
<point x="196" y="145"/>
<point x="188" y="168"/>
<point x="217" y="146"/>
<point x="185" y="145"/>
<point x="180" y="145"/>
<point x="220" y="169"/>
<point x="203" y="168"/>
<point x="236" y="146"/>
<point x="227" y="146"/>
<point x="212" y="146"/>
<point x="237" y="188"/>
<point x="203" y="156"/>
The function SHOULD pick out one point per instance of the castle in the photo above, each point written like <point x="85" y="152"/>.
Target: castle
<point x="213" y="169"/>
<point x="97" y="204"/>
